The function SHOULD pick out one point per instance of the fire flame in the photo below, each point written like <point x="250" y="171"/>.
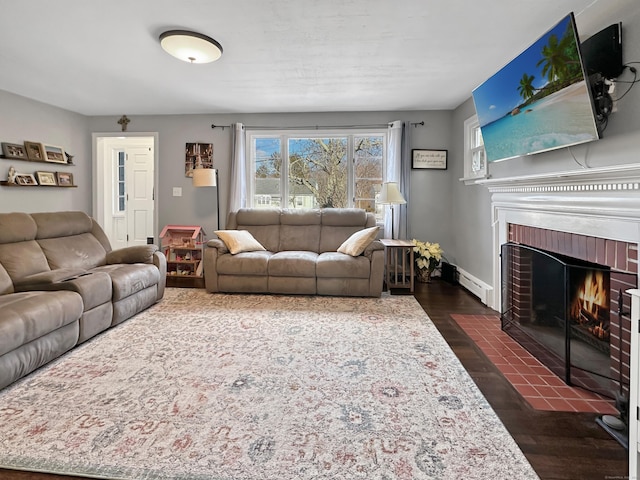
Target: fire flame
<point x="593" y="293"/>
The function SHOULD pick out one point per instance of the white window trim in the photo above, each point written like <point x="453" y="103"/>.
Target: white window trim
<point x="470" y="178"/>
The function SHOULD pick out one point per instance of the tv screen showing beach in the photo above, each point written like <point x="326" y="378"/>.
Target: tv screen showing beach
<point x="540" y="101"/>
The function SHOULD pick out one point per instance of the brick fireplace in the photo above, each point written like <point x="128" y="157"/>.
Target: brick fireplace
<point x="605" y="338"/>
<point x="592" y="215"/>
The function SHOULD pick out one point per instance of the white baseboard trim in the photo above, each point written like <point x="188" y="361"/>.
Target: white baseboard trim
<point x="475" y="285"/>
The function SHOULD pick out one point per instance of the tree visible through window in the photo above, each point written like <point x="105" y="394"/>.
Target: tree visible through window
<point x="319" y="172"/>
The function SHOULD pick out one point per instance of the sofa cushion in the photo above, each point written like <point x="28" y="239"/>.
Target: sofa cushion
<point x="245" y="263"/>
<point x="22" y="259"/>
<point x="73" y="251"/>
<point x="128" y="279"/>
<point x="238" y="241"/>
<point x="262" y="223"/>
<point x="61" y="224"/>
<point x="17" y="227"/>
<point x="340" y="265"/>
<point x="357" y="242"/>
<point x="344" y="217"/>
<point x="293" y="264"/>
<point x="27" y="316"/>
<point x="300" y="230"/>
<point x="338" y="224"/>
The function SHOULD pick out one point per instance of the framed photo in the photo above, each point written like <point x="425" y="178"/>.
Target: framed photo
<point x="46" y="178"/>
<point x="54" y="154"/>
<point x="35" y="151"/>
<point x="429" y="159"/>
<point x="197" y="155"/>
<point x="64" y="179"/>
<point x="25" y="179"/>
<point x="14" y="150"/>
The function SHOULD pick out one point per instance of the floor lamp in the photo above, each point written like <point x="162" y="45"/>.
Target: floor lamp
<point x="390" y="195"/>
<point x="208" y="177"/>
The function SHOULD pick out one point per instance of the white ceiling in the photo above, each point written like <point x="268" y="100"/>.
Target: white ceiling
<point x="104" y="58"/>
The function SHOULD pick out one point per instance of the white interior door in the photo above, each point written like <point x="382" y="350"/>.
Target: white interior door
<point x="139" y="194"/>
<point x="125" y="206"/>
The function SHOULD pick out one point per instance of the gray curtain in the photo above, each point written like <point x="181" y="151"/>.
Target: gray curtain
<point x="238" y="189"/>
<point x="399" y="170"/>
<point x="405" y="179"/>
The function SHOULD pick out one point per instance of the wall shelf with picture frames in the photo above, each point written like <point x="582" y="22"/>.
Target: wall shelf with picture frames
<point x="34" y="152"/>
<point x="38" y="179"/>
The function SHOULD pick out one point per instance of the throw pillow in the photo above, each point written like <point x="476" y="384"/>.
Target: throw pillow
<point x="356" y="243"/>
<point x="239" y="241"/>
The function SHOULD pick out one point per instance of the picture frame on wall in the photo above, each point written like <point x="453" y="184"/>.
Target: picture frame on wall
<point x="197" y="155"/>
<point x="429" y="159"/>
<point x="64" y="179"/>
<point x="14" y="150"/>
<point x="35" y="151"/>
<point x="54" y="154"/>
<point x="46" y="178"/>
<point x="25" y="179"/>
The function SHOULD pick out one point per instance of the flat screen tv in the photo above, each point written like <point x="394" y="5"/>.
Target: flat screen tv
<point x="539" y="101"/>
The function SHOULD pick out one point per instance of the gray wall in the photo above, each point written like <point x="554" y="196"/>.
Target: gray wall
<point x="24" y="119"/>
<point x="471" y="217"/>
<point x="620" y="144"/>
<point x="442" y="209"/>
<point x="197" y="205"/>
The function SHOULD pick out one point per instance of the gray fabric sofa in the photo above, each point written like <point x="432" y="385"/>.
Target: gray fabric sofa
<point x="301" y="254"/>
<point x="61" y="284"/>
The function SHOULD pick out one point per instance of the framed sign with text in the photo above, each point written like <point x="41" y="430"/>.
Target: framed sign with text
<point x="429" y="159"/>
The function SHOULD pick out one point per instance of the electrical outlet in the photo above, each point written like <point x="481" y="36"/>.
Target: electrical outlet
<point x="177" y="191"/>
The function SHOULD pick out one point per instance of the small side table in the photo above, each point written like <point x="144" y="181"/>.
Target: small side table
<point x="399" y="272"/>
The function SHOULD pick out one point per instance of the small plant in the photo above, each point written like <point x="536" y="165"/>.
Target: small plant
<point x="427" y="257"/>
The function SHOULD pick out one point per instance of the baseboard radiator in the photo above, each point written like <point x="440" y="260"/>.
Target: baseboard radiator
<point x="474" y="285"/>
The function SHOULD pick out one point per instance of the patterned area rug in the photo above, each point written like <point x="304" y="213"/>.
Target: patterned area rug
<point x="206" y="386"/>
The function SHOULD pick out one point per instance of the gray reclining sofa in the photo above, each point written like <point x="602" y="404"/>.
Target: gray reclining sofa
<point x="61" y="284"/>
<point x="300" y="254"/>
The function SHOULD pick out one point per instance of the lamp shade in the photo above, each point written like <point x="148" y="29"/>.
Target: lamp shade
<point x="205" y="177"/>
<point x="190" y="47"/>
<point x="390" y="194"/>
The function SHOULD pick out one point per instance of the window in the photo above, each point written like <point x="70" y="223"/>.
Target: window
<point x="120" y="183"/>
<point x="475" y="163"/>
<point x="304" y="170"/>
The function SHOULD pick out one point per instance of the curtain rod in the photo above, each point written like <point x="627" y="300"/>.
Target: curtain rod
<point x="312" y="127"/>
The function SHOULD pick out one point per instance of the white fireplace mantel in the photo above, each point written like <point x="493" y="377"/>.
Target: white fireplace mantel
<point x="599" y="202"/>
<point x="612" y="178"/>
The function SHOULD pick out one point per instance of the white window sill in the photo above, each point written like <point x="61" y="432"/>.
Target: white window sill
<point x="472" y="180"/>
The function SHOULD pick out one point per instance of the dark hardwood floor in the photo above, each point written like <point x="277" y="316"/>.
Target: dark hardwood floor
<point x="559" y="446"/>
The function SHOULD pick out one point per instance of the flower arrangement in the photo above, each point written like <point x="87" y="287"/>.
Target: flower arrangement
<point x="427" y="257"/>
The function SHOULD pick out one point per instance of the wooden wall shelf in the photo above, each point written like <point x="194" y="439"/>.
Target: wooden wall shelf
<point x="4" y="183"/>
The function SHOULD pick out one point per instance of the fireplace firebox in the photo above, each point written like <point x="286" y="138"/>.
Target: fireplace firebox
<point x="558" y="308"/>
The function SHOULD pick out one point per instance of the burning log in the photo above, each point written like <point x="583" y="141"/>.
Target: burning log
<point x="599" y="331"/>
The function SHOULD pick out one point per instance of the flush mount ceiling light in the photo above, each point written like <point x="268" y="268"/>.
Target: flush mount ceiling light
<point x="190" y="47"/>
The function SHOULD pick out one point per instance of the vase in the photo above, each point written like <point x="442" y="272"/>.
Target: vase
<point x="424" y="275"/>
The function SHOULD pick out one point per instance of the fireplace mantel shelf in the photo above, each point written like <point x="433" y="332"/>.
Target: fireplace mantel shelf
<point x="612" y="178"/>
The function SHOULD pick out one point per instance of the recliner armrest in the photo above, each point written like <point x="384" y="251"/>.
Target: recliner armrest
<point x="373" y="246"/>
<point x="133" y="254"/>
<point x="219" y="244"/>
